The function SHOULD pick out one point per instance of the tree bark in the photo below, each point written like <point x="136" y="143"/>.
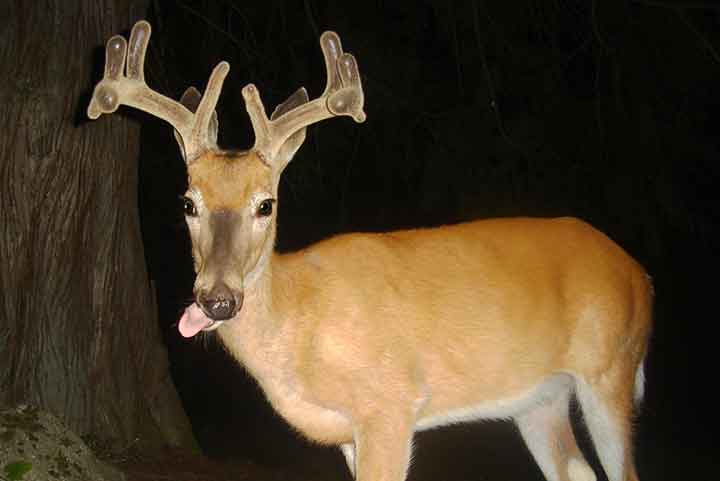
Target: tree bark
<point x="78" y="323"/>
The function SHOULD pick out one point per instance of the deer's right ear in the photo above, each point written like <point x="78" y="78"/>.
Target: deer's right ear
<point x="191" y="100"/>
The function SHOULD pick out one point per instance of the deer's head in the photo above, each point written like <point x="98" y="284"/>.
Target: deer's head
<point x="230" y="203"/>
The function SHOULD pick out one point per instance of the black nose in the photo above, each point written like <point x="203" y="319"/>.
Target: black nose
<point x="219" y="303"/>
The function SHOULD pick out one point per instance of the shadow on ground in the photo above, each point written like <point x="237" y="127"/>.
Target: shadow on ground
<point x="483" y="451"/>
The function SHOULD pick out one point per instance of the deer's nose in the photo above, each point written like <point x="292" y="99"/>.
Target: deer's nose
<point x="219" y="303"/>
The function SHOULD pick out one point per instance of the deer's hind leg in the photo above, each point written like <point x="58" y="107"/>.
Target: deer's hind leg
<point x="548" y="435"/>
<point x="607" y="406"/>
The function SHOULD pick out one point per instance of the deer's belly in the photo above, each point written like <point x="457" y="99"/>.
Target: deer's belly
<point x="503" y="408"/>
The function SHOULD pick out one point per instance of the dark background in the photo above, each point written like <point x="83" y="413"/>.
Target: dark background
<point x="606" y="111"/>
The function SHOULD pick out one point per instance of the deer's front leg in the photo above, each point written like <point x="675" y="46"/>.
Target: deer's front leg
<point x="383" y="446"/>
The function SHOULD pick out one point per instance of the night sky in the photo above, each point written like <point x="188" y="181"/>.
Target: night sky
<point x="607" y="111"/>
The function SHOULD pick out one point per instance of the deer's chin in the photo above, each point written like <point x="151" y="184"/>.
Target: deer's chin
<point x="213" y="325"/>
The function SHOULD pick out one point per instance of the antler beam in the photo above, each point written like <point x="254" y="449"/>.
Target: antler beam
<point x="124" y="84"/>
<point x="129" y="88"/>
<point x="343" y="95"/>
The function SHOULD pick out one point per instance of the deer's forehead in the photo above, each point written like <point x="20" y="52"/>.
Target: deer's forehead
<point x="227" y="182"/>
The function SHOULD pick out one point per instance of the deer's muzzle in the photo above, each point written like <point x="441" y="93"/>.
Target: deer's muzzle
<point x="220" y="303"/>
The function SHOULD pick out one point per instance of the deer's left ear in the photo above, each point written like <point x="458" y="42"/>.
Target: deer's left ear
<point x="191" y="100"/>
<point x="293" y="143"/>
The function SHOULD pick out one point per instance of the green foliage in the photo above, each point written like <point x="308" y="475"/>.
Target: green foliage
<point x="15" y="471"/>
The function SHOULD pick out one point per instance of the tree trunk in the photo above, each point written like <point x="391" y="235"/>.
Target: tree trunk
<point x="78" y="324"/>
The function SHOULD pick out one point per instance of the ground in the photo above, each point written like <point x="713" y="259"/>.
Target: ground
<point x="178" y="465"/>
<point x="460" y="453"/>
<point x="492" y="451"/>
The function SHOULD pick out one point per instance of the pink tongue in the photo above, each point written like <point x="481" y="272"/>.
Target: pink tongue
<point x="193" y="321"/>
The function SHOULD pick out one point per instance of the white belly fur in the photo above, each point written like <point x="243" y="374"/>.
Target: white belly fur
<point x="509" y="408"/>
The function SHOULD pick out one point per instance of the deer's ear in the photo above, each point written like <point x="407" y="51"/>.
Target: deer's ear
<point x="191" y="100"/>
<point x="293" y="143"/>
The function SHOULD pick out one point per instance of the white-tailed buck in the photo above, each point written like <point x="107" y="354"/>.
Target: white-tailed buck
<point x="363" y="339"/>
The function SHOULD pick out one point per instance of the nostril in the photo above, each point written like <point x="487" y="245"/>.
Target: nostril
<point x="218" y="305"/>
<point x="222" y="305"/>
<point x="219" y="308"/>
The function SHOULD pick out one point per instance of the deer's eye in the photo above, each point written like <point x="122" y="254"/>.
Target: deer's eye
<point x="265" y="208"/>
<point x="189" y="207"/>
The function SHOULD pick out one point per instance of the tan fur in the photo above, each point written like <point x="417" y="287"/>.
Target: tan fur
<point x="216" y="175"/>
<point x="363" y="339"/>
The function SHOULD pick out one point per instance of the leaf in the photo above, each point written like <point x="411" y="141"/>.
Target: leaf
<point x="15" y="471"/>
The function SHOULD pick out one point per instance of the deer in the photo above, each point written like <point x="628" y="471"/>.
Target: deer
<point x="363" y="339"/>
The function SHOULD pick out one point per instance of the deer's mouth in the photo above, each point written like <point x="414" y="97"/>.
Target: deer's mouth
<point x="195" y="320"/>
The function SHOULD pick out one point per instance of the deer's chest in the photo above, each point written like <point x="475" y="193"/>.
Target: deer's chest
<point x="300" y="408"/>
<point x="276" y="369"/>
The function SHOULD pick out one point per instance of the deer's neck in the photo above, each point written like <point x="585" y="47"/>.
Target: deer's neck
<point x="261" y="334"/>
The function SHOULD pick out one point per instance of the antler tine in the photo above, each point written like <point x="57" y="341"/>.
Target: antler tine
<point x="139" y="39"/>
<point x="205" y="110"/>
<point x="129" y="88"/>
<point x="261" y="125"/>
<point x="343" y="95"/>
